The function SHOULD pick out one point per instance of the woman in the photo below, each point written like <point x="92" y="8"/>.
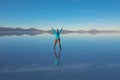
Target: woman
<point x="57" y="36"/>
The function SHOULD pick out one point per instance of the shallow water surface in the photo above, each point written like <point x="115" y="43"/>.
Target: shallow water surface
<point x="83" y="57"/>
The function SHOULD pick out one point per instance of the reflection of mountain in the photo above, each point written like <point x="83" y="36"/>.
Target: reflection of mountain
<point x="19" y="31"/>
<point x="6" y="31"/>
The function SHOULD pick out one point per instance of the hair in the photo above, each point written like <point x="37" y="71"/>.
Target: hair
<point x="57" y="30"/>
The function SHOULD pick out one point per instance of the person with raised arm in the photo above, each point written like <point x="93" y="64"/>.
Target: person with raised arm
<point x="57" y="36"/>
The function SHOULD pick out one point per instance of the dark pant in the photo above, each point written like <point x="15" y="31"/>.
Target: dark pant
<point x="55" y="41"/>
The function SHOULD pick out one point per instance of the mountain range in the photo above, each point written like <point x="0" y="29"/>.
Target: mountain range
<point x="33" y="31"/>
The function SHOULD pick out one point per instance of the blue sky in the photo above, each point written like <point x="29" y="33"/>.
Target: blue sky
<point x="67" y="13"/>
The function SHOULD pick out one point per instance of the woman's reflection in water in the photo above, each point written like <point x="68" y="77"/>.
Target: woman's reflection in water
<point x="57" y="59"/>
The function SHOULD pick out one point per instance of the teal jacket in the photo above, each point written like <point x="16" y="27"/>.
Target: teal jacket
<point x="57" y="34"/>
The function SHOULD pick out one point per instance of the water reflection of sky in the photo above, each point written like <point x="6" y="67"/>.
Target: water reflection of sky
<point x="91" y="56"/>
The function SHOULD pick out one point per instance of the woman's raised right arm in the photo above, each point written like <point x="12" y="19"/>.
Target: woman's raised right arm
<point x="53" y="30"/>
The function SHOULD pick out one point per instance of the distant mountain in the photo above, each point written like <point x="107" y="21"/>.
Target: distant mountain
<point x="16" y="29"/>
<point x="33" y="31"/>
<point x="6" y="31"/>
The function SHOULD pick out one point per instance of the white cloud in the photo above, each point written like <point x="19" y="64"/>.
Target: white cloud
<point x="79" y="66"/>
<point x="113" y="65"/>
<point x="50" y="22"/>
<point x="101" y="20"/>
<point x="25" y="69"/>
<point x="33" y="68"/>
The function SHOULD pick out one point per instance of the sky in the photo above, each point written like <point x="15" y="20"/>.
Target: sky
<point x="71" y="14"/>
